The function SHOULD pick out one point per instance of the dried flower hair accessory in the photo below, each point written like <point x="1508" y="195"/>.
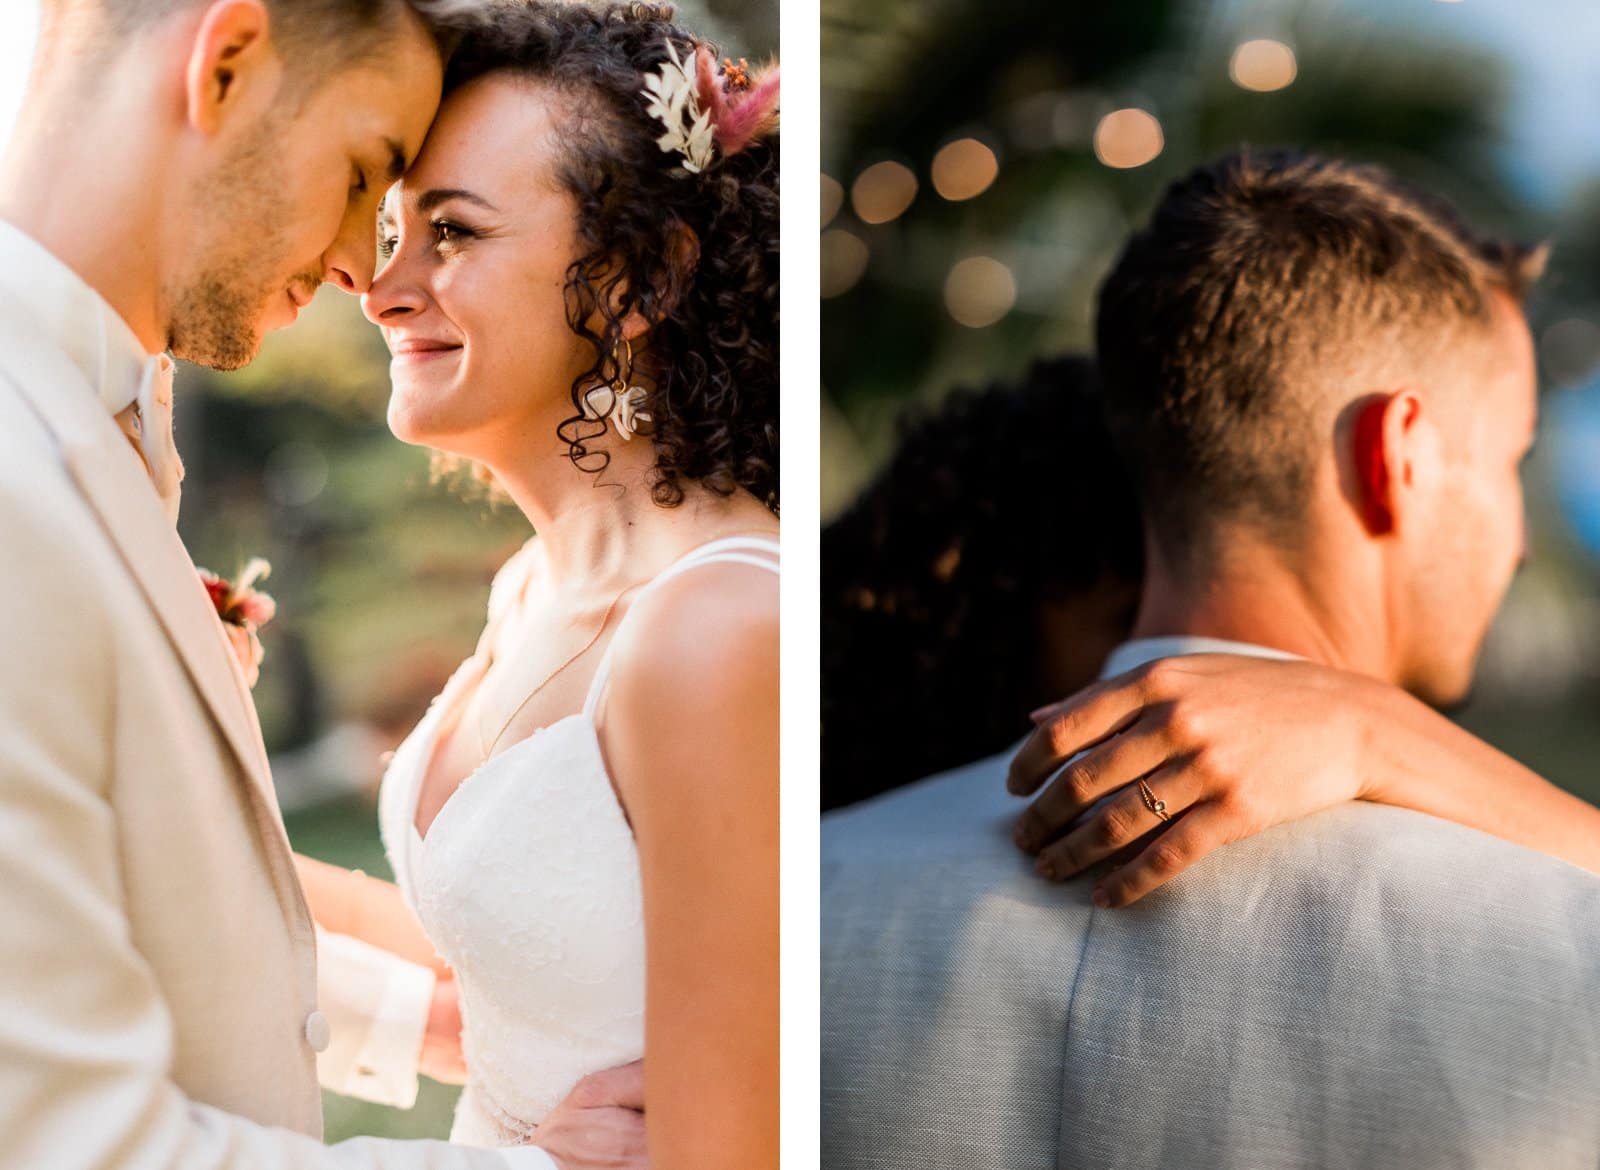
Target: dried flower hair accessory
<point x="711" y="111"/>
<point x="243" y="610"/>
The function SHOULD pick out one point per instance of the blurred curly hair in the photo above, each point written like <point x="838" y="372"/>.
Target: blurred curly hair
<point x="995" y="504"/>
<point x="696" y="255"/>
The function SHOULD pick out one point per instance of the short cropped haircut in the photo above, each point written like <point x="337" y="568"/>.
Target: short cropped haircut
<point x="1257" y="273"/>
<point x="316" y="37"/>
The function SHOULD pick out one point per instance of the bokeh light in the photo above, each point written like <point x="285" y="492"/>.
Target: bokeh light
<point x="1128" y="138"/>
<point x="964" y="169"/>
<point x="844" y="260"/>
<point x="882" y="192"/>
<point x="979" y="291"/>
<point x="1570" y="350"/>
<point x="1263" y="65"/>
<point x="832" y="198"/>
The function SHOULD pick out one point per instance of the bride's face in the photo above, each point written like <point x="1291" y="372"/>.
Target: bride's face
<point x="479" y="235"/>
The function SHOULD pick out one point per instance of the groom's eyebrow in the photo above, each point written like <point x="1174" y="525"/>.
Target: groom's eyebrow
<point x="439" y="195"/>
<point x="397" y="160"/>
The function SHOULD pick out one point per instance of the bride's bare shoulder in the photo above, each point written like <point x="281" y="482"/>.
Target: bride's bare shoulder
<point x="704" y="633"/>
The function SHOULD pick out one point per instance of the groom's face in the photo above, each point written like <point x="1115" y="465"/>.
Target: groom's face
<point x="1472" y="539"/>
<point x="293" y="203"/>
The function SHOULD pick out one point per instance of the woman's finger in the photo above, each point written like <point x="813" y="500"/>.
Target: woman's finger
<point x="1082" y="721"/>
<point x="1121" y="821"/>
<point x="1202" y="829"/>
<point x="1101" y="770"/>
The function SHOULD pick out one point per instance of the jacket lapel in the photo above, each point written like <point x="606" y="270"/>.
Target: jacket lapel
<point x="112" y="479"/>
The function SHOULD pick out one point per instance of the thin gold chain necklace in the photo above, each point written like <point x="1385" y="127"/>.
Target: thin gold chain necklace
<point x="605" y="619"/>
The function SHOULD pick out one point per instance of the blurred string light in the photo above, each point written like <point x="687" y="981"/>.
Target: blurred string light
<point x="882" y="192"/>
<point x="1053" y="119"/>
<point x="964" y="169"/>
<point x="296" y="474"/>
<point x="832" y="198"/>
<point x="1263" y="66"/>
<point x="1571" y="351"/>
<point x="844" y="261"/>
<point x="1128" y="138"/>
<point x="979" y="291"/>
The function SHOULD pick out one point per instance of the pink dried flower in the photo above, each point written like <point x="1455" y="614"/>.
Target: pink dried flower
<point x="742" y="108"/>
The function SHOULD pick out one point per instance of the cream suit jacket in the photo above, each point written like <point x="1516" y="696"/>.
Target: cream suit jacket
<point x="157" y="961"/>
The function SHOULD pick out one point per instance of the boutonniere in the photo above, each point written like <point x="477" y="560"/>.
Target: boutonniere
<point x="243" y="610"/>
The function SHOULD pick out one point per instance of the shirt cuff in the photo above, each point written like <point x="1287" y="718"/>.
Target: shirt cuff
<point x="378" y="1006"/>
<point x="529" y="1158"/>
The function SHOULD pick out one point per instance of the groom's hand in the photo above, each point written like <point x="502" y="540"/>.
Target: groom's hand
<point x="600" y="1125"/>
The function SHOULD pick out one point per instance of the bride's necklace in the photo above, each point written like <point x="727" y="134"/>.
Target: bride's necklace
<point x="484" y="748"/>
<point x="605" y="619"/>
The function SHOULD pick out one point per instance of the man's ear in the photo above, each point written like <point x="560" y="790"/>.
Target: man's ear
<point x="231" y="63"/>
<point x="1394" y="444"/>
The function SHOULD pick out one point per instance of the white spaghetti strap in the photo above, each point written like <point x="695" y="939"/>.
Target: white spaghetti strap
<point x="730" y="550"/>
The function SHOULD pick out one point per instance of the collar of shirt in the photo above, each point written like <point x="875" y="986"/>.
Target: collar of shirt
<point x="1131" y="655"/>
<point x="74" y="317"/>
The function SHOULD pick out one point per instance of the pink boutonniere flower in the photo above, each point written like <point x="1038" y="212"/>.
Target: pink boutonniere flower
<point x="243" y="610"/>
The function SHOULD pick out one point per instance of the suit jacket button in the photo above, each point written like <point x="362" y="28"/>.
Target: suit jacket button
<point x="318" y="1032"/>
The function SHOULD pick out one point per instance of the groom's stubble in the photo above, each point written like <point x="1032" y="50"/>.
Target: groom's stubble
<point x="240" y="244"/>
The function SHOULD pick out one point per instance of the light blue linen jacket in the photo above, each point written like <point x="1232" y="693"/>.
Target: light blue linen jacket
<point x="1368" y="987"/>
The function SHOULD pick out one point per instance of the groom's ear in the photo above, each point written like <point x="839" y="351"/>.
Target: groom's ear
<point x="233" y="68"/>
<point x="1393" y="447"/>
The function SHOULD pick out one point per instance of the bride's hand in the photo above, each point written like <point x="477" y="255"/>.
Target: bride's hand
<point x="1231" y="745"/>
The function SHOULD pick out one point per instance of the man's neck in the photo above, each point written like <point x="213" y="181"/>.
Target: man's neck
<point x="79" y="184"/>
<point x="1252" y="592"/>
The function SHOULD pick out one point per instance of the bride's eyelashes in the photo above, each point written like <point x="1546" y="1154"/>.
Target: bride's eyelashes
<point x="446" y="234"/>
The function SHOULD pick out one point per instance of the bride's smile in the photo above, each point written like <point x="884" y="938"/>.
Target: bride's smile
<point x="476" y="242"/>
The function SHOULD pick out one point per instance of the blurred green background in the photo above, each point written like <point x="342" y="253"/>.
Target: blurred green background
<point x="983" y="162"/>
<point x="381" y="574"/>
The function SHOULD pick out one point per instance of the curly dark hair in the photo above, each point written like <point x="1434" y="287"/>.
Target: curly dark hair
<point x="935" y="581"/>
<point x="695" y="254"/>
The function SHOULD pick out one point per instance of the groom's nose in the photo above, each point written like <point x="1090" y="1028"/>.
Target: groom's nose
<point x="350" y="263"/>
<point x="351" y="274"/>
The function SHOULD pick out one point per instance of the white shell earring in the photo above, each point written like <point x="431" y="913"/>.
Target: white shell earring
<point x="621" y="403"/>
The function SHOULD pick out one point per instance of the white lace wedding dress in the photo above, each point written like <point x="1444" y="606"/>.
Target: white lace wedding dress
<point x="528" y="885"/>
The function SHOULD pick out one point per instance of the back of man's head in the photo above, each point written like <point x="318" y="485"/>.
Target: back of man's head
<point x="316" y="37"/>
<point x="1267" y="291"/>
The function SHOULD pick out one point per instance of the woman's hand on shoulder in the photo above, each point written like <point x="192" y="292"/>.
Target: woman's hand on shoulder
<point x="1229" y="746"/>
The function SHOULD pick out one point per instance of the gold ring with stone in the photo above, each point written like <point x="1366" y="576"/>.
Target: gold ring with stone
<point x="1159" y="807"/>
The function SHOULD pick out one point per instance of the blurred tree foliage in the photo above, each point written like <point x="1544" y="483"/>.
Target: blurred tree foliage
<point x="1031" y="81"/>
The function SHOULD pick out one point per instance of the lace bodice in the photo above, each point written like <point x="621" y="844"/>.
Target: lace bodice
<point x="528" y="885"/>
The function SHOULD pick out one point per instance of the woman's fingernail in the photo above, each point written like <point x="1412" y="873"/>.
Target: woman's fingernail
<point x="1045" y="869"/>
<point x="1038" y="715"/>
<point x="1099" y="898"/>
